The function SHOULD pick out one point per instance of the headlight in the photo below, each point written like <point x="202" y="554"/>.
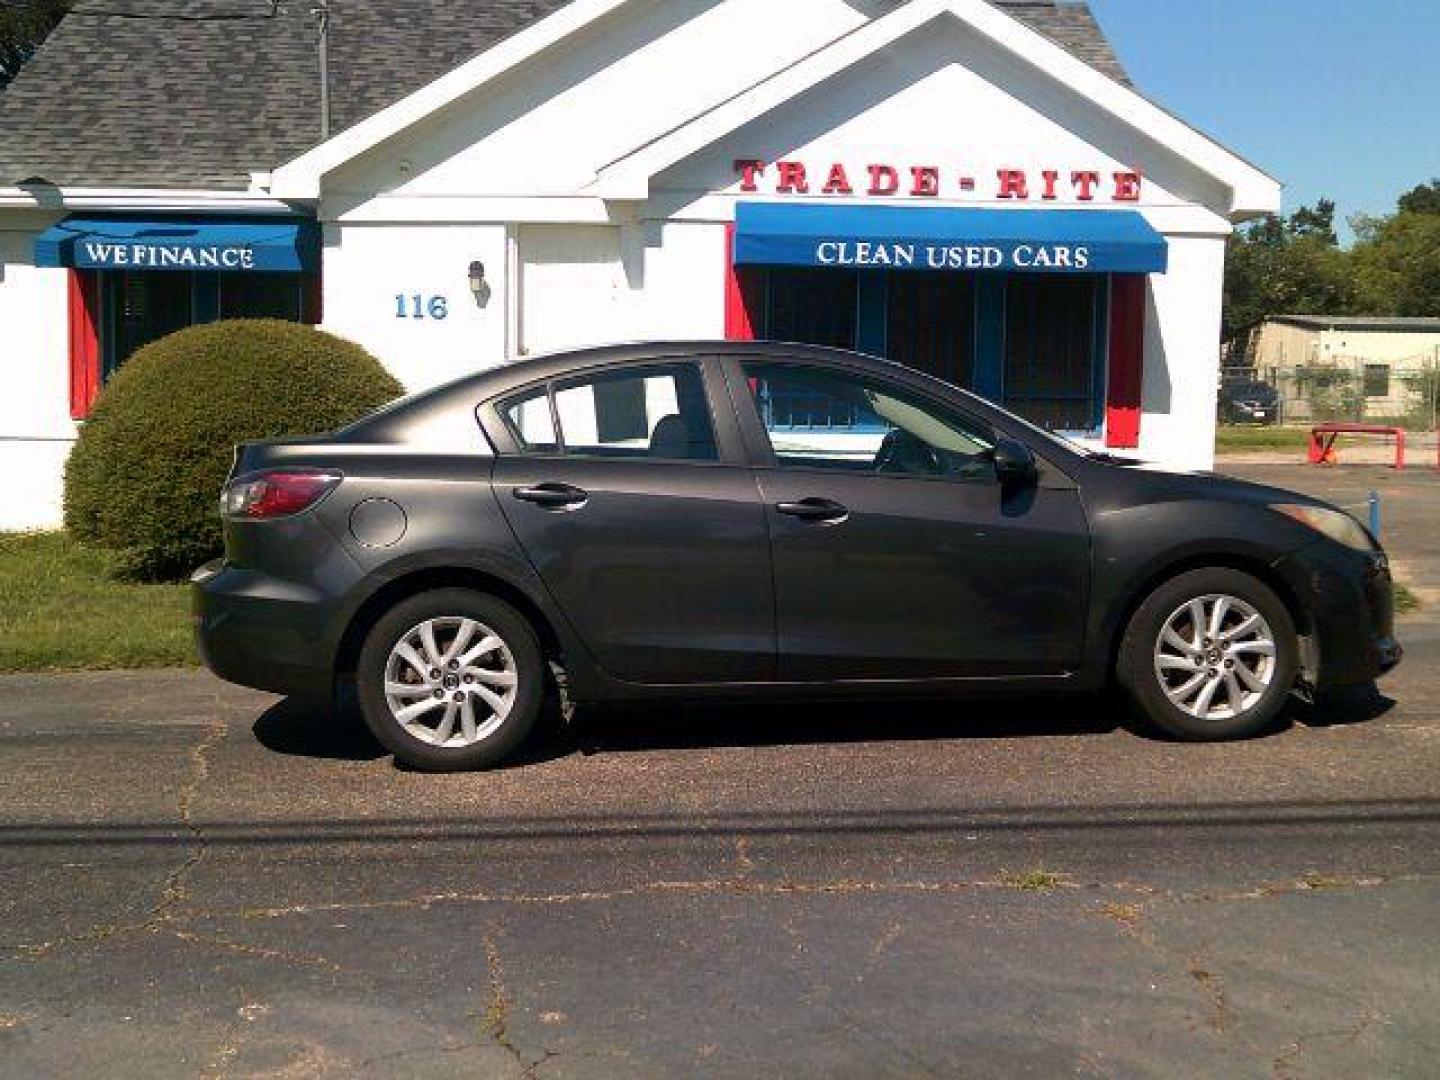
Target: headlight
<point x="1334" y="524"/>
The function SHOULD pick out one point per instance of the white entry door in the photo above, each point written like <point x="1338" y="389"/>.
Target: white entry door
<point x="573" y="290"/>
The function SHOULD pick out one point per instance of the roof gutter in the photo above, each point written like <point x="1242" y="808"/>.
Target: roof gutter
<point x="48" y="197"/>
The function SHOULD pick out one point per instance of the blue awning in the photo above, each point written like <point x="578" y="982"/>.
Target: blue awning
<point x="947" y="238"/>
<point x="236" y="244"/>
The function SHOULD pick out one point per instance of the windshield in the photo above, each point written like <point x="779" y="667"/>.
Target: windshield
<point x="1055" y="438"/>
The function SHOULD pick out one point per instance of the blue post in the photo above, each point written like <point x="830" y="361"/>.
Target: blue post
<point x="1375" y="514"/>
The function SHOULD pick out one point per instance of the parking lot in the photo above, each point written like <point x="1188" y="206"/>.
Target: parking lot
<point x="195" y="879"/>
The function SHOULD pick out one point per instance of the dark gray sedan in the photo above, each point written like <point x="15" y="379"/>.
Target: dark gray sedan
<point x="722" y="520"/>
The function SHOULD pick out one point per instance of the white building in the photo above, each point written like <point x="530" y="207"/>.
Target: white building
<point x="969" y="187"/>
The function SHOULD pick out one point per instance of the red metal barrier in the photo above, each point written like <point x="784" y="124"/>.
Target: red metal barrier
<point x="1323" y="437"/>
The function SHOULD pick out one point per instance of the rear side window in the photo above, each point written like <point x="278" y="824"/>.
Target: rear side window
<point x="532" y="423"/>
<point x="657" y="413"/>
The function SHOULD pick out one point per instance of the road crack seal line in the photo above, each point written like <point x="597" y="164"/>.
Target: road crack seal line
<point x="843" y="887"/>
<point x="161" y="917"/>
<point x="258" y="952"/>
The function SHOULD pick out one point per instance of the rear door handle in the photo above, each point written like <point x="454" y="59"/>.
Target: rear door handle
<point x="817" y="510"/>
<point x="553" y="496"/>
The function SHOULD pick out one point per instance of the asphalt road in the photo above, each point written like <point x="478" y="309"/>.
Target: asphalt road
<point x="197" y="880"/>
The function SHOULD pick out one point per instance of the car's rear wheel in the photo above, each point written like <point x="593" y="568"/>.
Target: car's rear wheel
<point x="451" y="680"/>
<point x="1211" y="654"/>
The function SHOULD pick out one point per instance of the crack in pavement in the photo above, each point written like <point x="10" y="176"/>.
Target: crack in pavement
<point x="1284" y="1064"/>
<point x="1132" y="920"/>
<point x="1214" y="987"/>
<point x="174" y="889"/>
<point x="172" y="884"/>
<point x="498" y="1006"/>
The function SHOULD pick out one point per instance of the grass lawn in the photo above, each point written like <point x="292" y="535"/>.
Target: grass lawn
<point x="61" y="611"/>
<point x="1232" y="437"/>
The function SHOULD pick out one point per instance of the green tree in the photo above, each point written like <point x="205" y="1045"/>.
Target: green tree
<point x="24" y="24"/>
<point x="1288" y="265"/>
<point x="1395" y="264"/>
<point x="1424" y="199"/>
<point x="1317" y="222"/>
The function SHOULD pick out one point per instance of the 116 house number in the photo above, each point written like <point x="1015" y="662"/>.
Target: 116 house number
<point x="415" y="306"/>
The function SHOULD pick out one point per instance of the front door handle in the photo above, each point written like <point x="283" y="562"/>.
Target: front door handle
<point x="817" y="510"/>
<point x="553" y="496"/>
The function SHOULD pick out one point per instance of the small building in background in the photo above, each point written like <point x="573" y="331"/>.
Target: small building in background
<point x="1350" y="367"/>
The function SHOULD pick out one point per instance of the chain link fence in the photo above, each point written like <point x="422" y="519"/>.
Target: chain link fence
<point x="1394" y="392"/>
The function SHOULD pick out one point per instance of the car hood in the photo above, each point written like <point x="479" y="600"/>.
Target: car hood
<point x="1159" y="483"/>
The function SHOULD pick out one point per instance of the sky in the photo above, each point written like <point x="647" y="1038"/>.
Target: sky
<point x="1337" y="99"/>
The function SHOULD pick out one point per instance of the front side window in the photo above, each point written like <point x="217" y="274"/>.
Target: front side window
<point x="822" y="419"/>
<point x="655" y="413"/>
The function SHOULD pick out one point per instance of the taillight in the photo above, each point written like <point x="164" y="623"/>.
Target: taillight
<point x="276" y="494"/>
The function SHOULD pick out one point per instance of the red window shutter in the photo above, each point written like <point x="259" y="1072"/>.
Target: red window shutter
<point x="1127" y="361"/>
<point x="84" y="341"/>
<point x="740" y="285"/>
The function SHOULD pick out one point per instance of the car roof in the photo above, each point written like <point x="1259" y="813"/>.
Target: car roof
<point x="392" y="423"/>
<point x="563" y="362"/>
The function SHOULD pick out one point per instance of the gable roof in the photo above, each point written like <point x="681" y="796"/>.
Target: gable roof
<point x="147" y="93"/>
<point x="198" y="95"/>
<point x="1251" y="190"/>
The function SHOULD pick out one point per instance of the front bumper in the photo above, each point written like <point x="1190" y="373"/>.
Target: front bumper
<point x="1348" y="600"/>
<point x="260" y="632"/>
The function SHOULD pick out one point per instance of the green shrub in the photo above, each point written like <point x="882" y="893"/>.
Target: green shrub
<point x="144" y="478"/>
<point x="1334" y="393"/>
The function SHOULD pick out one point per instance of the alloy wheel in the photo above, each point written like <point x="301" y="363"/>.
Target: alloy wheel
<point x="451" y="682"/>
<point x="1215" y="657"/>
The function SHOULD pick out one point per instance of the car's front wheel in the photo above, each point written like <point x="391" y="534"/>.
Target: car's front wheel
<point x="1211" y="654"/>
<point x="450" y="680"/>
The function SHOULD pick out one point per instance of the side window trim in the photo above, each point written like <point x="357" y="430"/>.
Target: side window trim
<point x="729" y="448"/>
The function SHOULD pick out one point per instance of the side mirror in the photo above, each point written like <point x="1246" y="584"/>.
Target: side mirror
<point x="1015" y="464"/>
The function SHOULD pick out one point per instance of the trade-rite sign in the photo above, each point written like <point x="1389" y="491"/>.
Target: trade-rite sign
<point x="930" y="181"/>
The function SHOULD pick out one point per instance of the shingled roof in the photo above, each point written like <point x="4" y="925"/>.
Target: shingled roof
<point x="156" y="93"/>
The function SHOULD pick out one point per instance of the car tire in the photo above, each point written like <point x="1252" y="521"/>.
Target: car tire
<point x="452" y="711"/>
<point x="1201" y="686"/>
